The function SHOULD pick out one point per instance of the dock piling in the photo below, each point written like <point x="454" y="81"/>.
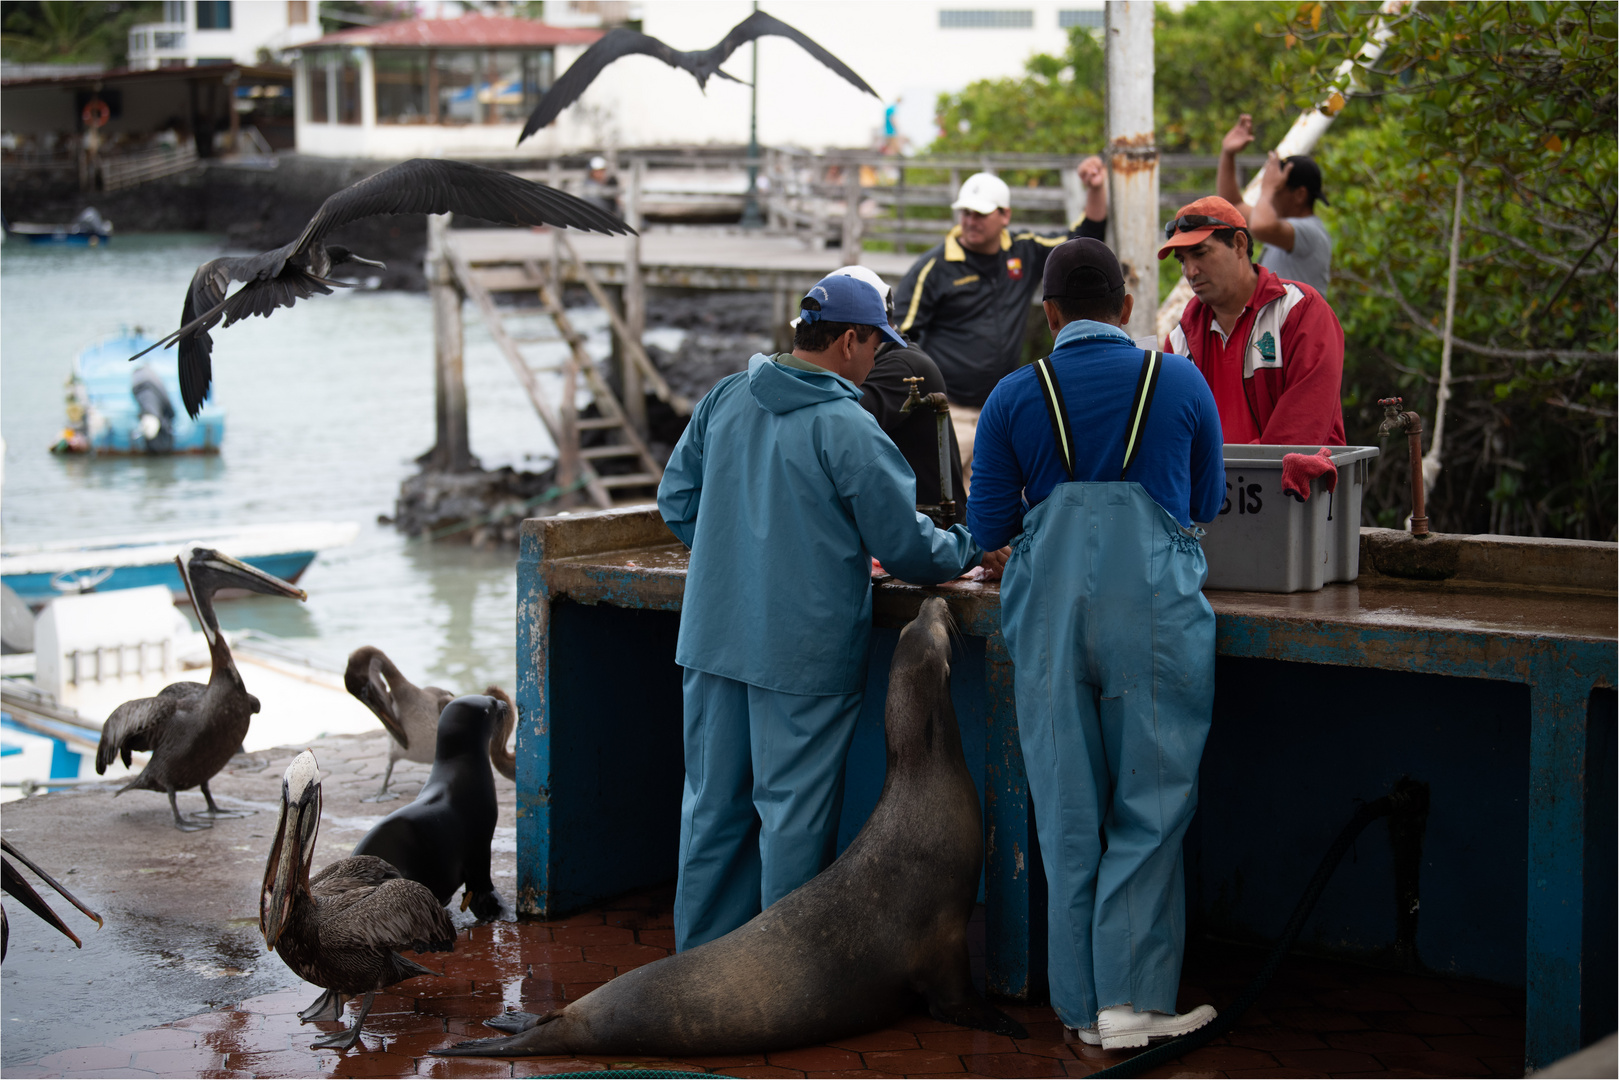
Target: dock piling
<point x="451" y="448"/>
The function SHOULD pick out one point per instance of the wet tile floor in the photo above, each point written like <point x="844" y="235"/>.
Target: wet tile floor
<point x="1318" y="1018"/>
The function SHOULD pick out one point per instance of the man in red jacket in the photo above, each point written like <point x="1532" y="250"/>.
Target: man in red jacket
<point x="1277" y="373"/>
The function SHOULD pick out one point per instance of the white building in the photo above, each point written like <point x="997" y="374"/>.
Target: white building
<point x="202" y="32"/>
<point x="463" y="86"/>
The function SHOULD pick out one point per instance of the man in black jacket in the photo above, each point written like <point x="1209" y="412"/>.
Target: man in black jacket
<point x="916" y="433"/>
<point x="966" y="302"/>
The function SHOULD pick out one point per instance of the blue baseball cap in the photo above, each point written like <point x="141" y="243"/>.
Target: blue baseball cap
<point x="847" y="299"/>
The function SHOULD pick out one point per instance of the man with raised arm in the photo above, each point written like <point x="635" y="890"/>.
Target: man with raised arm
<point x="1297" y="245"/>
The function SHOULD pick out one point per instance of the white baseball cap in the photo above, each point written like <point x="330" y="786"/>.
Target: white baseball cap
<point x="870" y="277"/>
<point x="983" y="193"/>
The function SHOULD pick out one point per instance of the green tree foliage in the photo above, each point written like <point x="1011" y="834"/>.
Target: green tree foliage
<point x="71" y="31"/>
<point x="1211" y="63"/>
<point x="1518" y="99"/>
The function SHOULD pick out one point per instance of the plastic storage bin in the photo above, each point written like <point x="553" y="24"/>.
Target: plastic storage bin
<point x="1266" y="541"/>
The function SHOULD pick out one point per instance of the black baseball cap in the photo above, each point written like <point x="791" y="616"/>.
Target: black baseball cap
<point x="1307" y="175"/>
<point x="1082" y="269"/>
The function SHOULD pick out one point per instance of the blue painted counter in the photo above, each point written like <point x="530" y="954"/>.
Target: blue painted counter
<point x="1500" y="697"/>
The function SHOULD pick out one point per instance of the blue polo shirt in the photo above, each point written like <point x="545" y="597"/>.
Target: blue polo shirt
<point x="1016" y="462"/>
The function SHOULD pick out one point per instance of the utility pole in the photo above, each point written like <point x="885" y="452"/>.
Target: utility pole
<point x="1132" y="156"/>
<point x="751" y="218"/>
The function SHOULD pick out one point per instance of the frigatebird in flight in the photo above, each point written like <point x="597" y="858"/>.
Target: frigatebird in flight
<point x="300" y="269"/>
<point x="702" y="63"/>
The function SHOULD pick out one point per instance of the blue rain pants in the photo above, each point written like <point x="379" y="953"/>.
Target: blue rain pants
<point x="764" y="789"/>
<point x="1113" y="647"/>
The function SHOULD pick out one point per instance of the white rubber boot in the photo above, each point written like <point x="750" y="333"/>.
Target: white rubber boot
<point x="1121" y="1027"/>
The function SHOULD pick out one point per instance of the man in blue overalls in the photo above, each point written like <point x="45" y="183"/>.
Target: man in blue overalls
<point x="1097" y="460"/>
<point x="784" y="488"/>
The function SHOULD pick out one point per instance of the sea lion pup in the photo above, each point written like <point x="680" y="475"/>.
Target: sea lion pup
<point x="442" y="838"/>
<point x="853" y="949"/>
<point x="410" y="713"/>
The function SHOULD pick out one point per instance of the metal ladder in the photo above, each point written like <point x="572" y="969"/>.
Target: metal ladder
<point x="577" y="465"/>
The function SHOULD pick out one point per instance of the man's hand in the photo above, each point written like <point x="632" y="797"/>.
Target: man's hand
<point x="1093" y="176"/>
<point x="1237" y="139"/>
<point x="1274" y="176"/>
<point x="1092" y="173"/>
<point x="994" y="563"/>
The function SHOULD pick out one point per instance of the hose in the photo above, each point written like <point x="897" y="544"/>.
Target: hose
<point x="1407" y="802"/>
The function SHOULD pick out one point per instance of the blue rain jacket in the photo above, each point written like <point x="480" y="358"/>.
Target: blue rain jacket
<point x="784" y="488"/>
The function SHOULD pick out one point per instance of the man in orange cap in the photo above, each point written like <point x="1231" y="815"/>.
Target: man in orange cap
<point x="1271" y="349"/>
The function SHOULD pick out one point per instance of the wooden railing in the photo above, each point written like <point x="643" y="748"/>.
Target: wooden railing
<point x="127" y="170"/>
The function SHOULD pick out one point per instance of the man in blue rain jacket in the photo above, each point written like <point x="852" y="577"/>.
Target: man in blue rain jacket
<point x="784" y="488"/>
<point x="1099" y="459"/>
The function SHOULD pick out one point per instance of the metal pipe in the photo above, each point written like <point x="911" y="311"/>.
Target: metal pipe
<point x="1395" y="419"/>
<point x="1132" y="156"/>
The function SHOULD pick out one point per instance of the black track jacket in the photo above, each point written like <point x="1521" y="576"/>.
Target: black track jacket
<point x="883" y="395"/>
<point x="968" y="311"/>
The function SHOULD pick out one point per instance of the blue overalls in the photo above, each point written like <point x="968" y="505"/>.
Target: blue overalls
<point x="1113" y="647"/>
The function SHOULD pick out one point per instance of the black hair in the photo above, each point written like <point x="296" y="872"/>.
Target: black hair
<point x="818" y="336"/>
<point x="1098" y="308"/>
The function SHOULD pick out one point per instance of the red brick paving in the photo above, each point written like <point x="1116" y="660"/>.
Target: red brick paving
<point x="1319" y="1018"/>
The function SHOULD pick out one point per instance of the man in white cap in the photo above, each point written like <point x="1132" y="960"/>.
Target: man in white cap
<point x="601" y="186"/>
<point x="966" y="302"/>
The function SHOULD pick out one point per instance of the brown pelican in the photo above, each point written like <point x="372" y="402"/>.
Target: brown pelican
<point x="191" y="729"/>
<point x="343" y="928"/>
<point x="410" y="713"/>
<point x="703" y="64"/>
<point x="300" y="269"/>
<point x="12" y="882"/>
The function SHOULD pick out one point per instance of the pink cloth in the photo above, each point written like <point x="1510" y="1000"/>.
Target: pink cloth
<point x="1298" y="470"/>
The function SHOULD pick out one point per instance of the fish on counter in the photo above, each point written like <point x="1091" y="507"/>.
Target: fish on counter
<point x="344" y="928"/>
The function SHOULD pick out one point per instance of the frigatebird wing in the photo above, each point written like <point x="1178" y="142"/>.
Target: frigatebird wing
<point x="761" y="24"/>
<point x="613" y="45"/>
<point x="441" y="186"/>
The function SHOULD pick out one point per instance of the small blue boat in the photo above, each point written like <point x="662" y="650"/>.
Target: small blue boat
<point x="89" y="229"/>
<point x="115" y="407"/>
<point x="39" y="572"/>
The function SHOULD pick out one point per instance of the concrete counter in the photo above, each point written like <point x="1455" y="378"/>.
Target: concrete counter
<point x="1455" y="671"/>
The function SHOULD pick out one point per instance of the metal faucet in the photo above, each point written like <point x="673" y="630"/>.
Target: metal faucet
<point x="1395" y="419"/>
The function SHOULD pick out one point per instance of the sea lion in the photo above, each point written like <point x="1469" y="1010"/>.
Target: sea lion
<point x="410" y="714"/>
<point x="442" y="838"/>
<point x="853" y="949"/>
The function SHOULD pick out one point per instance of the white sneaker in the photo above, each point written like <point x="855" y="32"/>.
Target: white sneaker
<point x="1121" y="1027"/>
<point x="1087" y="1035"/>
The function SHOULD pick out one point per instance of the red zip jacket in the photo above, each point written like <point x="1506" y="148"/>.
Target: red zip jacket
<point x="1294" y="392"/>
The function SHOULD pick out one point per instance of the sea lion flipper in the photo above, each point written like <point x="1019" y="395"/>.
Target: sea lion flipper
<point x="972" y="1011"/>
<point x="511" y="1046"/>
<point x="513" y="1022"/>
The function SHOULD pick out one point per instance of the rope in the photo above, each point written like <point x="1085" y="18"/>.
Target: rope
<point x="1408" y="796"/>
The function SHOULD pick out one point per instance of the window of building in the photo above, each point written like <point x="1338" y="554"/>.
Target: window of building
<point x="174" y="11"/>
<point x="1090" y="19"/>
<point x="455" y="79"/>
<point x="987" y="19"/>
<point x="512" y="84"/>
<point x="402" y="86"/>
<point x="334" y="87"/>
<point x="213" y="14"/>
<point x="297" y="12"/>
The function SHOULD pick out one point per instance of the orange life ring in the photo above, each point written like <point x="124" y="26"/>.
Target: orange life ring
<point x="95" y="114"/>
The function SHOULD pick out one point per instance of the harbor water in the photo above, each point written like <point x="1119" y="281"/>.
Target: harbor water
<point x="327" y="404"/>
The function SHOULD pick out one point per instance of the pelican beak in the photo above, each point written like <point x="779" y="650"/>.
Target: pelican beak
<point x="239" y="575"/>
<point x="288" y="865"/>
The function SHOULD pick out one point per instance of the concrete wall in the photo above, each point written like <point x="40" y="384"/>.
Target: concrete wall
<point x="255" y="24"/>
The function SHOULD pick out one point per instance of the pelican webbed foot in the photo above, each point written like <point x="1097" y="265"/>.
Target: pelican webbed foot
<point x="215" y="812"/>
<point x="329" y="1006"/>
<point x="345" y="1039"/>
<point x="185" y="824"/>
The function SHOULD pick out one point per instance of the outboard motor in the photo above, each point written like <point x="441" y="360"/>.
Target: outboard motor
<point x="157" y="411"/>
